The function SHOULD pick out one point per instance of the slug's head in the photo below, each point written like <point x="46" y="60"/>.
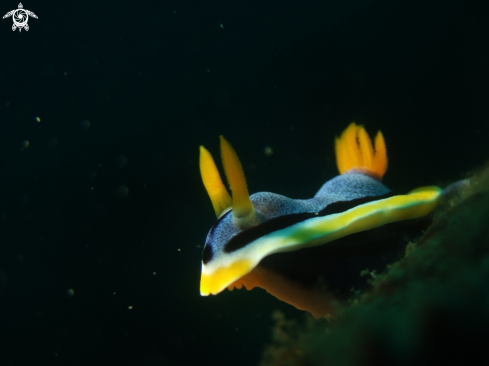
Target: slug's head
<point x="235" y="214"/>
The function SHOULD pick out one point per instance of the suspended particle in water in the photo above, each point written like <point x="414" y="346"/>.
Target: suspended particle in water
<point x="85" y="125"/>
<point x="122" y="191"/>
<point x="268" y="151"/>
<point x="92" y="175"/>
<point x="70" y="292"/>
<point x="25" y="144"/>
<point x="38" y="119"/>
<point x="23" y="200"/>
<point x="121" y="161"/>
<point x="52" y="143"/>
<point x="48" y="69"/>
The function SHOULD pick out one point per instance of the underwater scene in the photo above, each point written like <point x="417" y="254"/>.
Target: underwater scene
<point x="294" y="183"/>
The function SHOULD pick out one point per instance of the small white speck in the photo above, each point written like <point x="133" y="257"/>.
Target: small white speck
<point x="38" y="119"/>
<point x="130" y="307"/>
<point x="222" y="26"/>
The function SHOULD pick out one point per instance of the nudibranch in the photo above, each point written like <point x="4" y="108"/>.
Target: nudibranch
<point x="306" y="251"/>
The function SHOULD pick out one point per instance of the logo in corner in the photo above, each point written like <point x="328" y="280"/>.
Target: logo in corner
<point x="20" y="17"/>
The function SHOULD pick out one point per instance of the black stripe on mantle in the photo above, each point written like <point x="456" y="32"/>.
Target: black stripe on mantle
<point x="278" y="223"/>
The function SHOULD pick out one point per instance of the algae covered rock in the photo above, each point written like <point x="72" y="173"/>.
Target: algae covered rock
<point x="431" y="306"/>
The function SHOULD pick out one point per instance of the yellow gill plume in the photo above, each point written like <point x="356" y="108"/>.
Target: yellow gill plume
<point x="244" y="214"/>
<point x="354" y="149"/>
